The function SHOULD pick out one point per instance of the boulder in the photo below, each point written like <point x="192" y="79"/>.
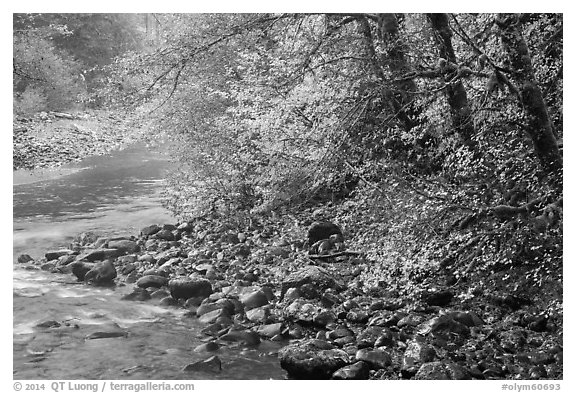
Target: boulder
<point x="321" y="230"/>
<point x="185" y="288"/>
<point x="312" y="359"/>
<point x="315" y="275"/>
<point x="151" y="281"/>
<point x="101" y="274"/>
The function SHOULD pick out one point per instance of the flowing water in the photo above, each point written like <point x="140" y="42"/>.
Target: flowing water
<point x="115" y="194"/>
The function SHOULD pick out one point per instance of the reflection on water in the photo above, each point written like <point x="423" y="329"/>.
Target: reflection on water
<point x="114" y="194"/>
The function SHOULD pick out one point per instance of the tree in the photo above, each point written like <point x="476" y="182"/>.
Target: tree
<point x="539" y="125"/>
<point x="452" y="73"/>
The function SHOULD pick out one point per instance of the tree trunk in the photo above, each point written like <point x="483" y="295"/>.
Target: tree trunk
<point x="456" y="94"/>
<point x="398" y="65"/>
<point x="399" y="105"/>
<point x="540" y="126"/>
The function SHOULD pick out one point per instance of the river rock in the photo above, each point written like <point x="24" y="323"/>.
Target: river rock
<point x="315" y="275"/>
<point x="321" y="230"/>
<point x="65" y="260"/>
<point x="210" y="346"/>
<point x="467" y="318"/>
<point x="376" y="358"/>
<point x="139" y="294"/>
<point x="125" y="246"/>
<point x="324" y="317"/>
<point x="302" y="311"/>
<point x="416" y="354"/>
<point x="411" y="320"/>
<point x="259" y="315"/>
<point x="85" y="238"/>
<point x="100" y="242"/>
<point x="49" y="324"/>
<point x="25" y="258"/>
<point x="101" y="254"/>
<point x="152" y="281"/>
<point x="159" y="294"/>
<point x="185" y="288"/>
<point x="312" y="359"/>
<point x="512" y="340"/>
<point x="102" y="273"/>
<point x="212" y="365"/>
<point x="253" y="300"/>
<point x="438" y="298"/>
<point x="150" y="230"/>
<point x="444" y="324"/>
<point x="246" y="337"/>
<point x="358" y="370"/>
<point x="271" y="330"/>
<point x="169" y="301"/>
<point x="79" y="269"/>
<point x="375" y="334"/>
<point x="212" y="316"/>
<point x="439" y="370"/>
<point x="276" y="251"/>
<point x="164" y="234"/>
<point x="113" y="334"/>
<point x="207" y="307"/>
<point x="357" y="316"/>
<point x="51" y="255"/>
<point x="339" y="332"/>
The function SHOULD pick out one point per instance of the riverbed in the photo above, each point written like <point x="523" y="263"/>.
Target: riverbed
<point x="114" y="194"/>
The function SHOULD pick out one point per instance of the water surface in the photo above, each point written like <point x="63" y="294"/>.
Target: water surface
<point x="114" y="194"/>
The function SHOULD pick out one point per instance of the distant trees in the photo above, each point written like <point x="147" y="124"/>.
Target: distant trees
<point x="57" y="57"/>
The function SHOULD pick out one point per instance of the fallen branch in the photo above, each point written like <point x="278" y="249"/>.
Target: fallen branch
<point x="337" y="254"/>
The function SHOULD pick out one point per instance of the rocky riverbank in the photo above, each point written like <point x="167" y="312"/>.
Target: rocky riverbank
<point x="50" y="139"/>
<point x="255" y="282"/>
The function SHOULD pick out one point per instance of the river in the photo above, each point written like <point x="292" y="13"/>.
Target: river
<point x="114" y="194"/>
